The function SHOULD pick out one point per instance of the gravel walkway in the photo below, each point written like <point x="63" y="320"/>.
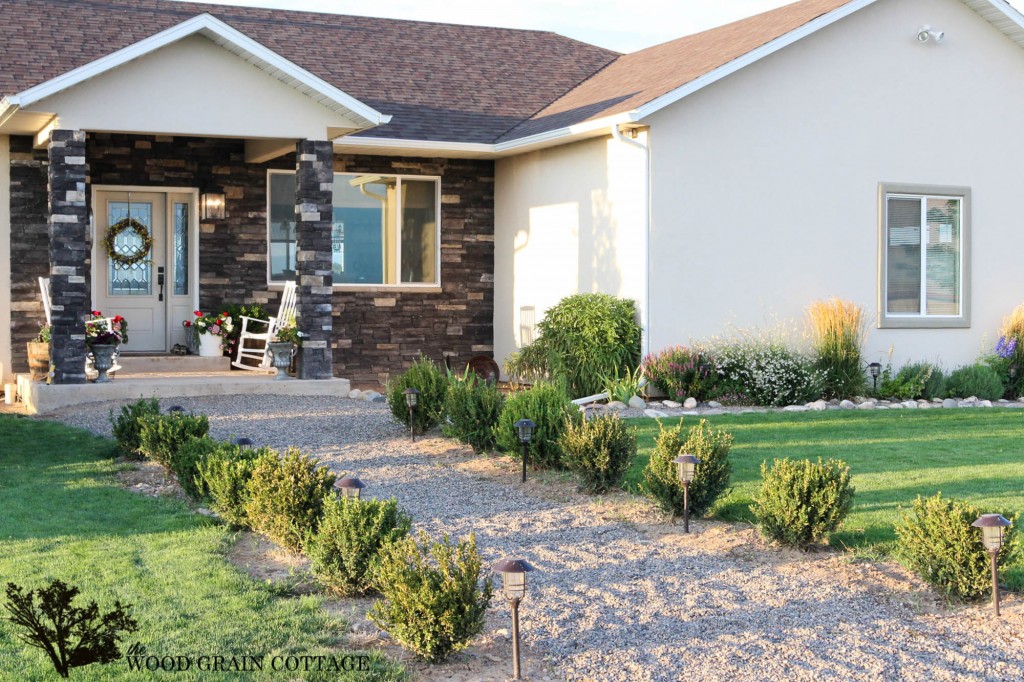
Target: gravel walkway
<point x="618" y="600"/>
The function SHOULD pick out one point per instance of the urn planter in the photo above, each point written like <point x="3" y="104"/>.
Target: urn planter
<point x="281" y="353"/>
<point x="103" y="360"/>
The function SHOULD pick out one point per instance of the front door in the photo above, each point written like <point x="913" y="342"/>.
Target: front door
<point x="148" y="281"/>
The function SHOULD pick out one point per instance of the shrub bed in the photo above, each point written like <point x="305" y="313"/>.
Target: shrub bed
<point x="433" y="603"/>
<point x="349" y="538"/>
<point x="598" y="450"/>
<point x="682" y="372"/>
<point x="765" y="371"/>
<point x="224" y="478"/>
<point x="801" y="502"/>
<point x="127" y="426"/>
<point x="285" y="497"/>
<point x="550" y="409"/>
<point x="937" y="542"/>
<point x="976" y="380"/>
<point x="162" y="435"/>
<point x="711" y="477"/>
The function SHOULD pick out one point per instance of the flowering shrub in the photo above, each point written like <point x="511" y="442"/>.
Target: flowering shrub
<point x="767" y="372"/>
<point x="208" y="323"/>
<point x="99" y="332"/>
<point x="682" y="372"/>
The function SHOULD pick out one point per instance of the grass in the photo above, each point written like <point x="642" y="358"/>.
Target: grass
<point x="894" y="457"/>
<point x="65" y="516"/>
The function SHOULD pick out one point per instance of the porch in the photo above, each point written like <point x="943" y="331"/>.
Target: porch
<point x="169" y="377"/>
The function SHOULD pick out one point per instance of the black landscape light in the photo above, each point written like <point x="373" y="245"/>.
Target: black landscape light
<point x="174" y="409"/>
<point x="243" y="443"/>
<point x="412" y="396"/>
<point x="686" y="469"/>
<point x="992" y="526"/>
<point x="524" y="429"/>
<point x="875" y="368"/>
<point x="513" y="587"/>
<point x="349" y="487"/>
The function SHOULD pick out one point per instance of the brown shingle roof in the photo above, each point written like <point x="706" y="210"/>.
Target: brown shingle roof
<point x="438" y="81"/>
<point x="635" y="79"/>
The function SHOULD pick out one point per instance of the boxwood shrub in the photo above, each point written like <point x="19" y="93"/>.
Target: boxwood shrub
<point x="472" y="407"/>
<point x="550" y="409"/>
<point x="223" y="477"/>
<point x="431" y="382"/>
<point x="599" y="450"/>
<point x="711" y="478"/>
<point x="162" y="435"/>
<point x="802" y="502"/>
<point x="127" y="425"/>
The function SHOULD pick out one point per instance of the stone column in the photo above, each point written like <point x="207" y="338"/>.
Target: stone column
<point x="314" y="213"/>
<point x="70" y="262"/>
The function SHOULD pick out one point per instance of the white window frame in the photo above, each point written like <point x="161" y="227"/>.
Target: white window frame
<point x="422" y="286"/>
<point x="922" y="320"/>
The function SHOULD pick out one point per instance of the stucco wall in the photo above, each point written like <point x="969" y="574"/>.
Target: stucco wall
<point x="765" y="184"/>
<point x="567" y="220"/>
<point x="5" y="257"/>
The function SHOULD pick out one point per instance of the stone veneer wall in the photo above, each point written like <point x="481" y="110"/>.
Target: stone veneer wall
<point x="30" y="239"/>
<point x="375" y="332"/>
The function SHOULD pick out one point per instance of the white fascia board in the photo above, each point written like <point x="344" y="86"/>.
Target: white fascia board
<point x="8" y="107"/>
<point x="425" y="145"/>
<point x="1006" y="8"/>
<point x="749" y="58"/>
<point x="204" y="23"/>
<point x="569" y="132"/>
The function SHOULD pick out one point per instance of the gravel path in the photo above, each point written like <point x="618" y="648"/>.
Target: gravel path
<point x="618" y="600"/>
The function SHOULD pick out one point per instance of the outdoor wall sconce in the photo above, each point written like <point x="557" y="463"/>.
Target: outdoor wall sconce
<point x="686" y="469"/>
<point x="211" y="206"/>
<point x="411" y="398"/>
<point x="927" y="33"/>
<point x="991" y="526"/>
<point x="524" y="429"/>
<point x="875" y="368"/>
<point x="513" y="587"/>
<point x="243" y="443"/>
<point x="349" y="487"/>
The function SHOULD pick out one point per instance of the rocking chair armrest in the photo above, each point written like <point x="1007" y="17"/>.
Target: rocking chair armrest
<point x="246" y="320"/>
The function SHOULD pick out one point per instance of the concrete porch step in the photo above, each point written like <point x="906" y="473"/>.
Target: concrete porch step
<point x="170" y="364"/>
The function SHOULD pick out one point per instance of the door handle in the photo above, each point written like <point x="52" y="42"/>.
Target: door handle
<point x="160" y="282"/>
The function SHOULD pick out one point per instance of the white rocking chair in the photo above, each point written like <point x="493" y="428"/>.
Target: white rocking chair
<point x="106" y="322"/>
<point x="259" y="354"/>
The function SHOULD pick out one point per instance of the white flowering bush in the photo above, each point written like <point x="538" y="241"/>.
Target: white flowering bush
<point x="766" y="371"/>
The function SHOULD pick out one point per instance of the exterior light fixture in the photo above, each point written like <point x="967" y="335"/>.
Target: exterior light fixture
<point x="524" y="429"/>
<point x="211" y="206"/>
<point x="686" y="469"/>
<point x="1013" y="371"/>
<point x="513" y="587"/>
<point x="173" y="409"/>
<point x="411" y="398"/>
<point x="349" y="487"/>
<point x="243" y="443"/>
<point x="875" y="368"/>
<point x="992" y="526"/>
<point x="927" y="33"/>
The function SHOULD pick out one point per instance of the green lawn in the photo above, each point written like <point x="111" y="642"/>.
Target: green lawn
<point x="896" y="455"/>
<point x="62" y="515"/>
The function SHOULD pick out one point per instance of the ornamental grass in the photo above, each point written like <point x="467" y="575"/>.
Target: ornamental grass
<point x="838" y="329"/>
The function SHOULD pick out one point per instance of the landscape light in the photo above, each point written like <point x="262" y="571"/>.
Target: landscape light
<point x="992" y="526"/>
<point x="513" y="587"/>
<point x="524" y="429"/>
<point x="411" y="399"/>
<point x="686" y="469"/>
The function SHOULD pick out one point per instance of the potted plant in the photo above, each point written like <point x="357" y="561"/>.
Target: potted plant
<point x="39" y="354"/>
<point x="210" y="331"/>
<point x="284" y="346"/>
<point x="103" y="336"/>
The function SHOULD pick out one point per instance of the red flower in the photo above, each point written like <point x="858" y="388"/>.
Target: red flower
<point x="97" y="313"/>
<point x="198" y="313"/>
<point x="223" y="314"/>
<point x="217" y="322"/>
<point x="188" y="323"/>
<point x="118" y="318"/>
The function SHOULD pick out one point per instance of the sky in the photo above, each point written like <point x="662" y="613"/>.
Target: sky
<point x="608" y="23"/>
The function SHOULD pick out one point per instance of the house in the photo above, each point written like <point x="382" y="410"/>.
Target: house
<point x="434" y="188"/>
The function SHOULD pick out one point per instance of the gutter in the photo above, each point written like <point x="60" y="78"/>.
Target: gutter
<point x="645" y="241"/>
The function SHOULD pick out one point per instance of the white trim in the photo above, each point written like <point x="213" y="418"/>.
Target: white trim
<point x="6" y="347"/>
<point x="424" y="145"/>
<point x="261" y="56"/>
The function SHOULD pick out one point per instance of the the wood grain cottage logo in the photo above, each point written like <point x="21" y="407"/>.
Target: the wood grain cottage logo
<point x="141" y="660"/>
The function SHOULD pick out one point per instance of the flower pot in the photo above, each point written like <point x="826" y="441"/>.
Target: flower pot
<point x="103" y="360"/>
<point x="38" y="360"/>
<point x="210" y="346"/>
<point x="281" y="354"/>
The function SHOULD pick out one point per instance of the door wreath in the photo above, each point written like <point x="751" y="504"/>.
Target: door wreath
<point x="116" y="229"/>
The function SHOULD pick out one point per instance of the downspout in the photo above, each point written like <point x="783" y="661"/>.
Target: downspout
<point x="645" y="241"/>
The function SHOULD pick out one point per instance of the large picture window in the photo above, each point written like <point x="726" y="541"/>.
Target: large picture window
<point x="385" y="229"/>
<point x="924" y="275"/>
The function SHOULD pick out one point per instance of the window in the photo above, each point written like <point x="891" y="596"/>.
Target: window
<point x="924" y="276"/>
<point x="385" y="229"/>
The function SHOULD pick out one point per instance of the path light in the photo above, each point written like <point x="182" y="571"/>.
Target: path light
<point x="513" y="587"/>
<point x="243" y="443"/>
<point x="175" y="409"/>
<point x="686" y="469"/>
<point x="992" y="526"/>
<point x="1013" y="371"/>
<point x="411" y="398"/>
<point x="350" y="487"/>
<point x="875" y="368"/>
<point x="524" y="429"/>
